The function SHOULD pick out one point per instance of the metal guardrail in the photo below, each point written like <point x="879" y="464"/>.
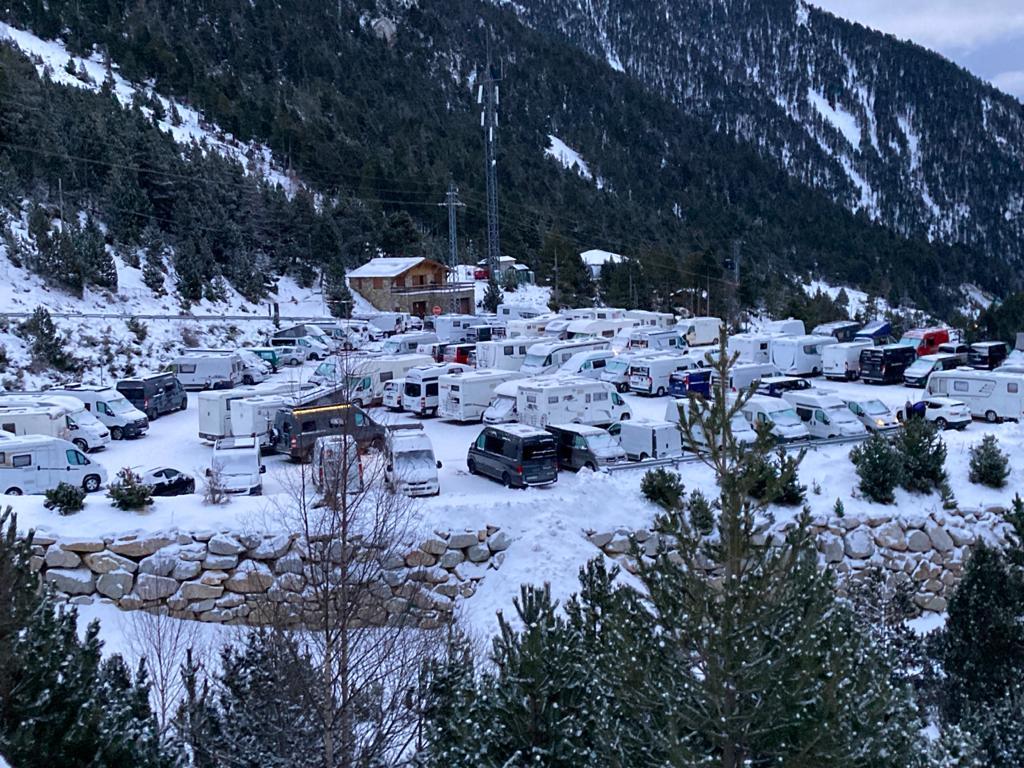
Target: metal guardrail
<point x="691" y="458"/>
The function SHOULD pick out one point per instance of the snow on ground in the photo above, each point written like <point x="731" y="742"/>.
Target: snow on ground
<point x="843" y="121"/>
<point x="52" y="58"/>
<point x="858" y="300"/>
<point x="567" y="157"/>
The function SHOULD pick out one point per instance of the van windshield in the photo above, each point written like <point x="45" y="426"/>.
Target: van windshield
<point x="920" y="368"/>
<point x="603" y="445"/>
<point x="325" y="369"/>
<point x="422" y="456"/>
<point x="785" y="418"/>
<point x="874" y="408"/>
<point x="231" y="463"/>
<point x="536" y="361"/>
<point x="617" y="366"/>
<point x="538" y="449"/>
<point x="119" y="406"/>
<point x="392" y="347"/>
<point x="841" y="414"/>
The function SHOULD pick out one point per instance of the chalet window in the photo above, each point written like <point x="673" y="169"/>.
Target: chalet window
<point x="419" y="279"/>
<point x="378" y="283"/>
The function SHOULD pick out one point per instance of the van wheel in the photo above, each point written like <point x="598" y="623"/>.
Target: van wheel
<point x="91" y="484"/>
<point x="644" y="457"/>
<point x="941" y="423"/>
<point x="116" y="433"/>
<point x="151" y="414"/>
<point x="991" y="417"/>
<point x="590" y="465"/>
<point x="13" y="492"/>
<point x="247" y="380"/>
<point x="471" y="466"/>
<point x="624" y="417"/>
<point x="357" y="403"/>
<point x="506" y="480"/>
<point x="184" y="404"/>
<point x="660" y="392"/>
<point x="81" y="445"/>
<point x="314" y="356"/>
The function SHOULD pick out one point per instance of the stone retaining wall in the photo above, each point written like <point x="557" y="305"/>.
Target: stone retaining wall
<point x="927" y="550"/>
<point x="234" y="578"/>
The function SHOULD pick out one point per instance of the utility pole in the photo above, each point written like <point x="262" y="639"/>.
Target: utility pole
<point x="453" y="203"/>
<point x="555" y="286"/>
<point x="487" y="98"/>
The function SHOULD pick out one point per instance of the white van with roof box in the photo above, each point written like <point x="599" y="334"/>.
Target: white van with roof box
<point x="643" y="439"/>
<point x="84" y="430"/>
<point x="121" y="418"/>
<point x="466" y="396"/>
<point x="548" y="357"/>
<point x="558" y="400"/>
<point x="799" y="355"/>
<point x="991" y="395"/>
<point x="237" y="465"/>
<point x="650" y="375"/>
<point x="410" y="466"/>
<point x="209" y="370"/>
<point x="825" y="414"/>
<point x="841" y="362"/>
<point x="421" y="389"/>
<point x="35" y="464"/>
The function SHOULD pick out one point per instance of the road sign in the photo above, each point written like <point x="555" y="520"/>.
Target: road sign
<point x="437" y="310"/>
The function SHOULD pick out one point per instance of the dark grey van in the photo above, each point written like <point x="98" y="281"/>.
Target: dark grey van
<point x="581" y="445"/>
<point x="515" y="454"/>
<point x="154" y="395"/>
<point x="296" y="429"/>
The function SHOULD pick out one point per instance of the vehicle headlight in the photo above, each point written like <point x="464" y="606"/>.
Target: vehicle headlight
<point x="880" y="422"/>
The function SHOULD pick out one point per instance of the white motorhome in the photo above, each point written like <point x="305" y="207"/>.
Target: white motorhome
<point x="121" y="418"/>
<point x="588" y="364"/>
<point x="841" y="362"/>
<point x="699" y="331"/>
<point x="636" y="339"/>
<point x="530" y="327"/>
<point x="506" y="354"/>
<point x="84" y="429"/>
<point x="391" y="397"/>
<point x="595" y="313"/>
<point x="557" y="328"/>
<point x="35" y="464"/>
<point x="825" y="414"/>
<point x="547" y="357"/>
<point x="237" y="465"/>
<point x="386" y="323"/>
<point x="991" y="395"/>
<point x="647" y="319"/>
<point x="421" y="390"/>
<point x="331" y="370"/>
<point x="650" y="375"/>
<point x="616" y="370"/>
<point x="504" y="405"/>
<point x="254" y="416"/>
<point x="364" y="384"/>
<point x="38" y="419"/>
<point x="676" y="411"/>
<point x="788" y="327"/>
<point x="407" y="343"/>
<point x="569" y="400"/>
<point x="752" y="347"/>
<point x="208" y="370"/>
<point x="799" y="355"/>
<point x="254" y="368"/>
<point x="786" y="425"/>
<point x="744" y="375"/>
<point x="644" y="439"/>
<point x="606" y="329"/>
<point x="465" y="396"/>
<point x="214" y="408"/>
<point x="410" y="467"/>
<point x="510" y="311"/>
<point x="452" y="329"/>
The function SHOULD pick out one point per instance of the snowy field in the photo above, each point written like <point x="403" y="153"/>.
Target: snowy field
<point x="547" y="523"/>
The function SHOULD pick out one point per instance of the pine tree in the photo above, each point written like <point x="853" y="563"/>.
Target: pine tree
<point x="45" y="343"/>
<point x="879" y="468"/>
<point x="493" y="296"/>
<point x="923" y="454"/>
<point x="153" y="260"/>
<point x="336" y="292"/>
<point x="989" y="465"/>
<point x="95" y="262"/>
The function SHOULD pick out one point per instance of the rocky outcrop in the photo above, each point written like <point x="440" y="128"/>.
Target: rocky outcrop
<point x="926" y="551"/>
<point x="231" y="577"/>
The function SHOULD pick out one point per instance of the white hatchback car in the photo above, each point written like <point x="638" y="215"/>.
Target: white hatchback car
<point x="944" y="412"/>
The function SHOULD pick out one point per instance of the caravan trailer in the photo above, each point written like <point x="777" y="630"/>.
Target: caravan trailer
<point x="799" y="355"/>
<point x="648" y="319"/>
<point x="558" y="400"/>
<point x="421" y="389"/>
<point x="45" y="420"/>
<point x="841" y="362"/>
<point x="991" y="395"/>
<point x="547" y="357"/>
<point x="36" y="464"/>
<point x="208" y="370"/>
<point x="752" y="347"/>
<point x="700" y="331"/>
<point x="215" y="407"/>
<point x="788" y="327"/>
<point x="648" y="338"/>
<point x="510" y="311"/>
<point x="408" y="343"/>
<point x="465" y="396"/>
<point x="452" y="329"/>
<point x="84" y="429"/>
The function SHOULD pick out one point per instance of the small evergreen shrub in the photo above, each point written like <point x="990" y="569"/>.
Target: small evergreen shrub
<point x="839" y="509"/>
<point x="923" y="454"/>
<point x="989" y="465"/>
<point x="129" y="492"/>
<point x="67" y="499"/>
<point x="879" y="468"/>
<point x="137" y="328"/>
<point x="46" y="344"/>
<point x="702" y="518"/>
<point x="775" y="481"/>
<point x="493" y="297"/>
<point x="664" y="488"/>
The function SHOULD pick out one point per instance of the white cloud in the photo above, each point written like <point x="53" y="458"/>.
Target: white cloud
<point x="1011" y="82"/>
<point x="949" y="26"/>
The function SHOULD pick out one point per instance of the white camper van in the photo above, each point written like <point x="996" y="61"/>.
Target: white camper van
<point x="699" y="331"/>
<point x="121" y="418"/>
<point x="799" y="355"/>
<point x="410" y="467"/>
<point x="421" y="389"/>
<point x="569" y="400"/>
<point x="364" y="385"/>
<point x="36" y="463"/>
<point x="47" y="420"/>
<point x="752" y="347"/>
<point x="616" y="370"/>
<point x="407" y="343"/>
<point x="638" y="339"/>
<point x="991" y="395"/>
<point x="644" y="439"/>
<point x="587" y="364"/>
<point x="511" y="311"/>
<point x="650" y="375"/>
<point x="451" y="329"/>
<point x="788" y="327"/>
<point x="254" y="368"/>
<point x="211" y="370"/>
<point x="647" y="319"/>
<point x="825" y="414"/>
<point x="841" y="362"/>
<point x="465" y="396"/>
<point x="786" y="425"/>
<point x="606" y="329"/>
<point x="676" y="412"/>
<point x="547" y="357"/>
<point x="238" y="466"/>
<point x="84" y="429"/>
<point x="506" y="354"/>
<point x="530" y="327"/>
<point x="744" y="375"/>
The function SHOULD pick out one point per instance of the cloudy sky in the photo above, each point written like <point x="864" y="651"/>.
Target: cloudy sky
<point x="985" y="36"/>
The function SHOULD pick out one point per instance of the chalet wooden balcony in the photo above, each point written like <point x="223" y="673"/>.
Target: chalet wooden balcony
<point x="435" y="288"/>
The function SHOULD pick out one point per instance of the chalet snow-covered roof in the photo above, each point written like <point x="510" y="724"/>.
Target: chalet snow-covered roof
<point x="596" y="257"/>
<point x="387" y="266"/>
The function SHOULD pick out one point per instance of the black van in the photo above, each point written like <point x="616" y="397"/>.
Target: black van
<point x="886" y="364"/>
<point x="296" y="429"/>
<point x="154" y="395"/>
<point x="580" y="445"/>
<point x="986" y="355"/>
<point x="515" y="454"/>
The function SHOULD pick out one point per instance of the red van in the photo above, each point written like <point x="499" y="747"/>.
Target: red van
<point x="460" y="353"/>
<point x="925" y="340"/>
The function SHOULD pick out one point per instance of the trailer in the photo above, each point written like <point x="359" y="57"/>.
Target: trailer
<point x="699" y="331"/>
<point x="569" y="400"/>
<point x="650" y="375"/>
<point x="841" y="362"/>
<point x="991" y="395"/>
<point x="508" y="354"/>
<point x="466" y="396"/>
<point x="799" y="355"/>
<point x="752" y="347"/>
<point x="547" y="357"/>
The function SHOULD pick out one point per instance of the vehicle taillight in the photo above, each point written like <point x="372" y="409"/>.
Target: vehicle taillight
<point x="295" y="442"/>
<point x="519" y="470"/>
<point x="145" y="403"/>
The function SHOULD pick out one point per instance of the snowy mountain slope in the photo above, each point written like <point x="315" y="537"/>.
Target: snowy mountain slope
<point x="185" y="124"/>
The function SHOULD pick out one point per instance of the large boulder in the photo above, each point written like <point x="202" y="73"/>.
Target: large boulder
<point x="271" y="548"/>
<point x="831" y="547"/>
<point x="434" y="546"/>
<point x="941" y="540"/>
<point x="501" y="541"/>
<point x="478" y="553"/>
<point x="859" y="544"/>
<point x="196" y="590"/>
<point x="114" y="584"/>
<point x="150" y="587"/>
<point x="105" y="562"/>
<point x="961" y="536"/>
<point x="462" y="540"/>
<point x="220" y="562"/>
<point x="223" y="544"/>
<point x="56" y="557"/>
<point x="918" y="541"/>
<point x="142" y="546"/>
<point x="160" y="563"/>
<point x="83" y="545"/>
<point x="76" y="581"/>
<point x="185" y="570"/>
<point x="890" y="536"/>
<point x="250" y="576"/>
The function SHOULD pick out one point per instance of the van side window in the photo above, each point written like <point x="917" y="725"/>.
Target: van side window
<point x="599" y="363"/>
<point x="480" y="441"/>
<point x="8" y="428"/>
<point x="386" y="376"/>
<point x="510" y="449"/>
<point x="22" y="460"/>
<point x="552" y="399"/>
<point x="308" y="426"/>
<point x="493" y="443"/>
<point x="508" y="350"/>
<point x="1012" y="387"/>
<point x="359" y="419"/>
<point x="75" y="458"/>
<point x="960" y="386"/>
<point x="185" y="368"/>
<point x="432" y="389"/>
